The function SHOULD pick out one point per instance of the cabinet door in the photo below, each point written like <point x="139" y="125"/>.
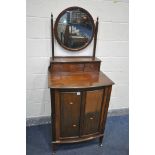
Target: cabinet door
<point x="70" y="114"/>
<point x="92" y="112"/>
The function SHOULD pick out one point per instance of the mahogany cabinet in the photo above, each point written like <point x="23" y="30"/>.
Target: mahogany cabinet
<point x="80" y="95"/>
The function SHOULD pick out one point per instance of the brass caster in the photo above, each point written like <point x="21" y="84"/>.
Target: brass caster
<point x="101" y="145"/>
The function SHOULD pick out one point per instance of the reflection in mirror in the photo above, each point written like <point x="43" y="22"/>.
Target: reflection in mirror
<point x="75" y="29"/>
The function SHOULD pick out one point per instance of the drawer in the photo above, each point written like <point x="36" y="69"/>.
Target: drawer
<point x="91" y="67"/>
<point x="67" y="67"/>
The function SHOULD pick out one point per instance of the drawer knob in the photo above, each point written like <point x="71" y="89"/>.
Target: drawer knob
<point x="91" y="118"/>
<point x="74" y="125"/>
<point x="71" y="103"/>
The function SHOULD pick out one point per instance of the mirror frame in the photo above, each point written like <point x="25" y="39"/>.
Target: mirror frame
<point x="56" y="25"/>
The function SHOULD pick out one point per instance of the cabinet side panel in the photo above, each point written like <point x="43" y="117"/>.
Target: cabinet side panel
<point x="57" y="115"/>
<point x="53" y="121"/>
<point x="105" y="107"/>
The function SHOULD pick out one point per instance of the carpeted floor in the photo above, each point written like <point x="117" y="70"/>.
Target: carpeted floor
<point x="115" y="142"/>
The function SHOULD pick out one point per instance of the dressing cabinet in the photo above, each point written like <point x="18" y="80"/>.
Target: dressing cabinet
<point x="80" y="92"/>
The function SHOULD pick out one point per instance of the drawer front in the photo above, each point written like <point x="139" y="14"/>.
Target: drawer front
<point x="70" y="114"/>
<point x="92" y="113"/>
<point x="67" y="67"/>
<point x="91" y="67"/>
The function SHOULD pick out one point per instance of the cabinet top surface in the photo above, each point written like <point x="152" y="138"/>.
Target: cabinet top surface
<point x="74" y="59"/>
<point x="78" y="80"/>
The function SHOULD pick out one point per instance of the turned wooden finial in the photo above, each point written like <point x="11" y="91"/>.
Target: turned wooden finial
<point x="95" y="38"/>
<point x="52" y="36"/>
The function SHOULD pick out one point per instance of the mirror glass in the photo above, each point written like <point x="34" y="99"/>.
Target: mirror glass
<point x="74" y="29"/>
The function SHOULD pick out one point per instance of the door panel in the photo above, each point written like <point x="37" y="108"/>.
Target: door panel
<point x="92" y="112"/>
<point x="70" y="114"/>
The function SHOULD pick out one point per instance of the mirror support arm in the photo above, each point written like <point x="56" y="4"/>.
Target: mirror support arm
<point x="52" y="36"/>
<point x="95" y="38"/>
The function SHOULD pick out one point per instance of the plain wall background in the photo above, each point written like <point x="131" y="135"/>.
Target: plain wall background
<point x="112" y="48"/>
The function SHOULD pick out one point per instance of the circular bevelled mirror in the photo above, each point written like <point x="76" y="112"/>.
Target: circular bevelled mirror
<point x="74" y="28"/>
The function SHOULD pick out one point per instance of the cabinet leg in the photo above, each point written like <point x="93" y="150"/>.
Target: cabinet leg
<point x="53" y="149"/>
<point x="100" y="141"/>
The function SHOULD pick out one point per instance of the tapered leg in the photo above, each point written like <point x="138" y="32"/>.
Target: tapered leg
<point x="53" y="149"/>
<point x="100" y="141"/>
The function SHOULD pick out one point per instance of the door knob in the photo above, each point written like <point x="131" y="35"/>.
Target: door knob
<point x="71" y="103"/>
<point x="74" y="125"/>
<point x="91" y="118"/>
